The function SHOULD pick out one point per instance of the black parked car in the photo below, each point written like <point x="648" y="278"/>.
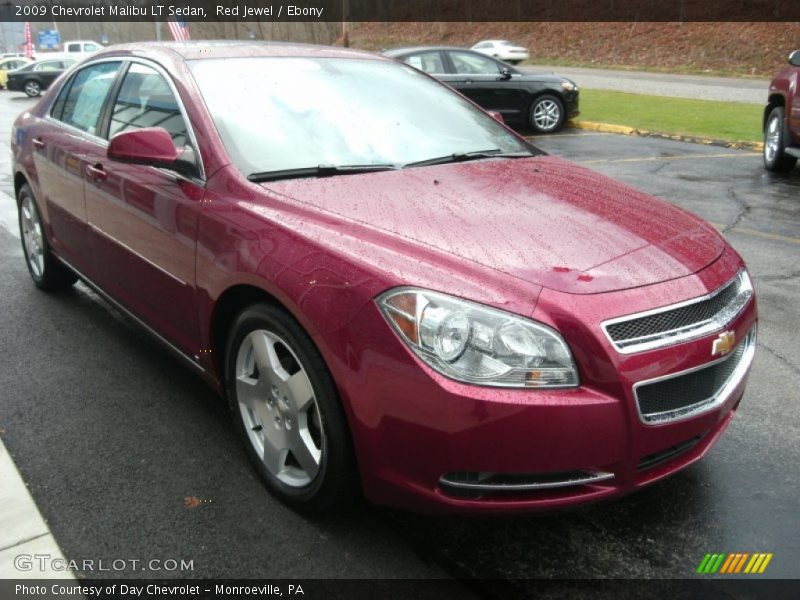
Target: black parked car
<point x="38" y="76"/>
<point x="542" y="101"/>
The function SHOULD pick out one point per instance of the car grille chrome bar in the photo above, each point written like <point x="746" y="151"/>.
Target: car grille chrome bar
<point x="519" y="482"/>
<point x="695" y="391"/>
<point x="680" y="322"/>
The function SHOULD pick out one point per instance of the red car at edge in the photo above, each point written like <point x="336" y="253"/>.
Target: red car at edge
<point x="396" y="293"/>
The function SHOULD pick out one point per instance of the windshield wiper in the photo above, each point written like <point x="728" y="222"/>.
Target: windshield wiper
<point x="465" y="156"/>
<point x="318" y="171"/>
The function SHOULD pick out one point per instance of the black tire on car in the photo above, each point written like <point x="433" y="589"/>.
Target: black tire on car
<point x="546" y="114"/>
<point x="46" y="271"/>
<point x="289" y="423"/>
<point x="32" y="88"/>
<point x="775" y="136"/>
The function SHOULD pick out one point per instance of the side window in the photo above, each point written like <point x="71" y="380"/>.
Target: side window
<point x="430" y="62"/>
<point x="474" y="64"/>
<point x="90" y="47"/>
<point x="146" y="100"/>
<point x="84" y="102"/>
<point x="73" y="47"/>
<point x="58" y="105"/>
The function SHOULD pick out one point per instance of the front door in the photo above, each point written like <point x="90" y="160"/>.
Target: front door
<point x="480" y="79"/>
<point x="144" y="219"/>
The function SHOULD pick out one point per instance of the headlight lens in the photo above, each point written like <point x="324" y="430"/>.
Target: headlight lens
<point x="477" y="344"/>
<point x="569" y="86"/>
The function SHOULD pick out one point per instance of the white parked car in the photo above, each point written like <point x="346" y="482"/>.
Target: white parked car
<point x="503" y="49"/>
<point x="81" y="48"/>
<point x="75" y="49"/>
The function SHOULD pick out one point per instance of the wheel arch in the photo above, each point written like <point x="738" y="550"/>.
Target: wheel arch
<point x="19" y="180"/>
<point x="774" y="100"/>
<point x="229" y="304"/>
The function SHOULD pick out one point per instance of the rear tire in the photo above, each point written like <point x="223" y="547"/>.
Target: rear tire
<point x="775" y="137"/>
<point x="46" y="271"/>
<point x="286" y="408"/>
<point x="32" y="89"/>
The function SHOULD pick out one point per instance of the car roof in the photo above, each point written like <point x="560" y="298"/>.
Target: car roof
<point x="63" y="59"/>
<point x="413" y="49"/>
<point x="199" y="50"/>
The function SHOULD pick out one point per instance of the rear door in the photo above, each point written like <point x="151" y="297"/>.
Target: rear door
<point x="433" y="63"/>
<point x="48" y="71"/>
<point x="61" y="144"/>
<point x="144" y="219"/>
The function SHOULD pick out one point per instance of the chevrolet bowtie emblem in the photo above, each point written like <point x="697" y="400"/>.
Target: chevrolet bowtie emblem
<point x="723" y="344"/>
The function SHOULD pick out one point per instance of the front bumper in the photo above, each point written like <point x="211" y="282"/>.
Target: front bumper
<point x="427" y="443"/>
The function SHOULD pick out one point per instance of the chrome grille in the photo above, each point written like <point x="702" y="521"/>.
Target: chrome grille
<point x="680" y="322"/>
<point x="686" y="394"/>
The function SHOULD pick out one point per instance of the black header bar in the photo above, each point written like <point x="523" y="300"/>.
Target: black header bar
<point x="400" y="10"/>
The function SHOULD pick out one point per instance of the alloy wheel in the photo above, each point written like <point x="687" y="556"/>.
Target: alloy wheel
<point x="546" y="114"/>
<point x="32" y="238"/>
<point x="773" y="139"/>
<point x="32" y="89"/>
<point x="279" y="408"/>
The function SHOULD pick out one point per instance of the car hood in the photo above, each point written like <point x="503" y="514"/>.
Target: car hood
<point x="543" y="77"/>
<point x="542" y="219"/>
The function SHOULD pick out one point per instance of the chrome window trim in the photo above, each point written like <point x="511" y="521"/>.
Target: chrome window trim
<point x="591" y="477"/>
<point x="682" y="334"/>
<point x="161" y="71"/>
<point x="707" y="404"/>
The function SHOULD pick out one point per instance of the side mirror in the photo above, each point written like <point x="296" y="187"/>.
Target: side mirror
<point x="794" y="58"/>
<point x="505" y="73"/>
<point x="149" y="146"/>
<point x="496" y="116"/>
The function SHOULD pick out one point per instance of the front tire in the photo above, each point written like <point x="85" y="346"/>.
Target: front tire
<point x="32" y="89"/>
<point x="286" y="408"/>
<point x="46" y="271"/>
<point x="546" y="114"/>
<point x="775" y="136"/>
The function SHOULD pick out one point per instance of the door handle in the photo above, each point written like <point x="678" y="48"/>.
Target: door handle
<point x="38" y="143"/>
<point x="96" y="172"/>
<point x="468" y="81"/>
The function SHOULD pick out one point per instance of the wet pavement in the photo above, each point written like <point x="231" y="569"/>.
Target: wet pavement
<point x="128" y="455"/>
<point x="698" y="87"/>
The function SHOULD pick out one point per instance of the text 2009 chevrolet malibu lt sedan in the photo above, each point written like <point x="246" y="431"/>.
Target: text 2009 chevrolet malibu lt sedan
<point x="395" y="292"/>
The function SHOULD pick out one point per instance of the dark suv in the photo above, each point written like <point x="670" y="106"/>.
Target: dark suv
<point x="782" y="118"/>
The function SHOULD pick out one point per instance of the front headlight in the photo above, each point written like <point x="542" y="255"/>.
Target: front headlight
<point x="476" y="344"/>
<point x="569" y="86"/>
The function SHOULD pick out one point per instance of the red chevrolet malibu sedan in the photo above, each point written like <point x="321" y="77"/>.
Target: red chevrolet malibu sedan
<point x="394" y="291"/>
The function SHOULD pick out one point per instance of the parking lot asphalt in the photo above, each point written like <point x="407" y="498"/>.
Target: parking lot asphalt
<point x="129" y="455"/>
<point x="698" y="87"/>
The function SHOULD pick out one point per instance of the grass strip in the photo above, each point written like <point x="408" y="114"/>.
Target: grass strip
<point x="729" y="121"/>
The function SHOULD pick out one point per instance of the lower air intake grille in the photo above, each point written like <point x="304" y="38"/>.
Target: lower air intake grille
<point x="685" y="394"/>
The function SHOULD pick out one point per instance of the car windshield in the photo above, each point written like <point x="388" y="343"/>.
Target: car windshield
<point x="280" y="114"/>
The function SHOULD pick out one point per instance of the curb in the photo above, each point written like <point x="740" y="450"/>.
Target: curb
<point x="625" y="130"/>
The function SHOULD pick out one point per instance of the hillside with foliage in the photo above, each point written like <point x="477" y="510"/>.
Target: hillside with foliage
<point x="740" y="49"/>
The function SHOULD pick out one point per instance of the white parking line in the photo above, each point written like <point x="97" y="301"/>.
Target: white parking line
<point x="668" y="158"/>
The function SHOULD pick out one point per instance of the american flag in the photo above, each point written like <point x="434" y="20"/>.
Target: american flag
<point x="28" y="42"/>
<point x="179" y="30"/>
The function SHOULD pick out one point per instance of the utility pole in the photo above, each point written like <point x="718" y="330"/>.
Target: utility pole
<point x="346" y="23"/>
<point x="158" y="31"/>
